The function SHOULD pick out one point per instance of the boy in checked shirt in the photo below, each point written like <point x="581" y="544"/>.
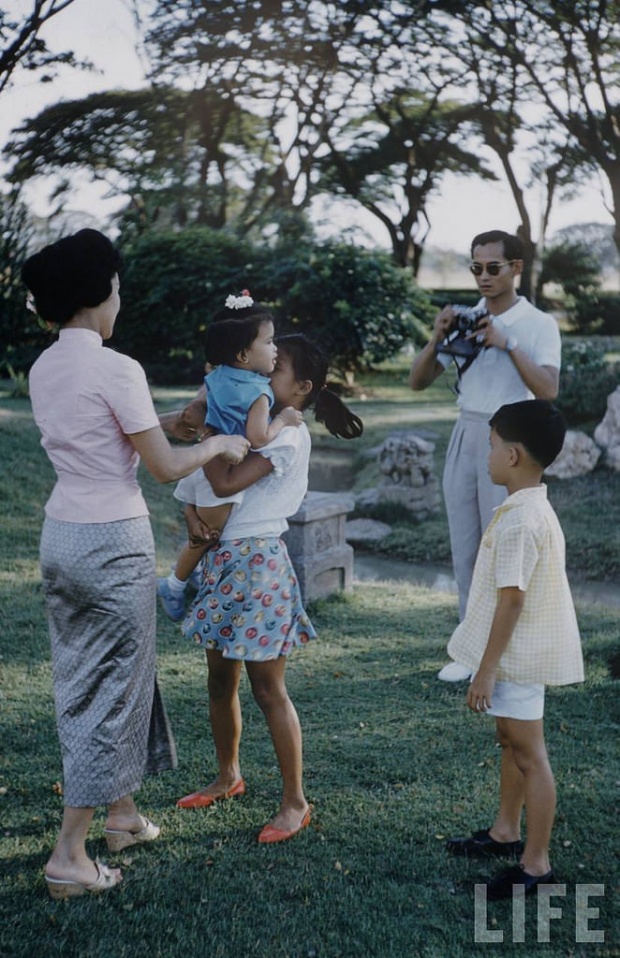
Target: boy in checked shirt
<point x="519" y="634"/>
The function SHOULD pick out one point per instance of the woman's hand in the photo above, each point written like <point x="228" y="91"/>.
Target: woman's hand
<point x="232" y="449"/>
<point x="167" y="463"/>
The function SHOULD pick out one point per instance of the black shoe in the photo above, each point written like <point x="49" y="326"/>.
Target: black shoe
<point x="503" y="884"/>
<point x="481" y="845"/>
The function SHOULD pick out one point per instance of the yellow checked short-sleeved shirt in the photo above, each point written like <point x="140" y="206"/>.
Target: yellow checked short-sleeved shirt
<point x="523" y="546"/>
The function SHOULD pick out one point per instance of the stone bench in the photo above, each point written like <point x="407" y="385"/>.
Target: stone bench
<point x="317" y="545"/>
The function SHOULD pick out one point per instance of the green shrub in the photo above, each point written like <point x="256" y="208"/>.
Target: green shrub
<point x="171" y="286"/>
<point x="586" y="379"/>
<point x="442" y="297"/>
<point x="599" y="313"/>
<point x="356" y="303"/>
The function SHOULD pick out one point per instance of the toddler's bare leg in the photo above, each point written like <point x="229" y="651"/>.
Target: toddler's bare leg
<point x="204" y="525"/>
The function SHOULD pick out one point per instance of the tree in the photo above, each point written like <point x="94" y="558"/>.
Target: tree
<point x="172" y="284"/>
<point x="322" y="71"/>
<point x="22" y="46"/>
<point x="466" y="39"/>
<point x="304" y="66"/>
<point x="394" y="161"/>
<point x="600" y="240"/>
<point x="180" y="157"/>
<point x="574" y="266"/>
<point x="565" y="57"/>
<point x="21" y="335"/>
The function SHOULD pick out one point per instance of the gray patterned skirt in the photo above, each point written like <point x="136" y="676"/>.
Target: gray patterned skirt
<point x="99" y="585"/>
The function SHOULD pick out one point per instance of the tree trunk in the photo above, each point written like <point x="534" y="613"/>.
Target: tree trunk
<point x="613" y="175"/>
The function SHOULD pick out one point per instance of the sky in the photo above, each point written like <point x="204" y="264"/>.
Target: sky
<point x="104" y="32"/>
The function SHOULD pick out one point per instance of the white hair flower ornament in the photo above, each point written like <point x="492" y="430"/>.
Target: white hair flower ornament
<point x="239" y="302"/>
<point x="30" y="303"/>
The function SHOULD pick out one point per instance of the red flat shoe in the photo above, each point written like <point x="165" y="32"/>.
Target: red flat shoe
<point x="270" y="834"/>
<point x="200" y="800"/>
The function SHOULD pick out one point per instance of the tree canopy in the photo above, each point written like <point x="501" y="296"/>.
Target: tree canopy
<point x="257" y="107"/>
<point x="21" y="44"/>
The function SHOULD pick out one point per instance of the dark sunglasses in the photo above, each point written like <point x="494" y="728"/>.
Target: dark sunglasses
<point x="492" y="268"/>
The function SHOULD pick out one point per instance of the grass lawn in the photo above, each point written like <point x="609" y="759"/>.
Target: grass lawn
<point x="394" y="764"/>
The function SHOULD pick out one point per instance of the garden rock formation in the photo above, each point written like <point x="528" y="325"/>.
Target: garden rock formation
<point x="406" y="463"/>
<point x="578" y="457"/>
<point x="607" y="433"/>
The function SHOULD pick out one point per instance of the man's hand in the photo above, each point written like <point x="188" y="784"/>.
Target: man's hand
<point x="486" y="334"/>
<point x="443" y="325"/>
<point x="480" y="691"/>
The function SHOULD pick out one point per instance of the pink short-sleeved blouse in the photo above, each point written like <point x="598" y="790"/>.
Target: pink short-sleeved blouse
<point x="86" y="400"/>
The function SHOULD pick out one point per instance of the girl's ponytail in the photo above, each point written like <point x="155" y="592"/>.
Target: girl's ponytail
<point x="309" y="363"/>
<point x="336" y="416"/>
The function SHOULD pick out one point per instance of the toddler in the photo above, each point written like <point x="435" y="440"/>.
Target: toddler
<point x="240" y="345"/>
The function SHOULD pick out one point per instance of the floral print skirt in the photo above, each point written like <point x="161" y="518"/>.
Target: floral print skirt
<point x="249" y="604"/>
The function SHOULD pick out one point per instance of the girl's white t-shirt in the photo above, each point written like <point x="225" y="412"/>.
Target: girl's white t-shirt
<point x="268" y="502"/>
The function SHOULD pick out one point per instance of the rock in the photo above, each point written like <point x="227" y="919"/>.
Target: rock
<point x="407" y="473"/>
<point x="366" y="530"/>
<point x="607" y="433"/>
<point x="578" y="457"/>
<point x="368" y="498"/>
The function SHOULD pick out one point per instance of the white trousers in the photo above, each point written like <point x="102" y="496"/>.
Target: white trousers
<point x="469" y="495"/>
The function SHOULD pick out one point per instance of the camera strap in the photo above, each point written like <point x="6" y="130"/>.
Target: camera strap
<point x="462" y="368"/>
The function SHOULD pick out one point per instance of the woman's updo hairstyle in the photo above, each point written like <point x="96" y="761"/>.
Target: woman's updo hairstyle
<point x="234" y="328"/>
<point x="71" y="274"/>
<point x="309" y="363"/>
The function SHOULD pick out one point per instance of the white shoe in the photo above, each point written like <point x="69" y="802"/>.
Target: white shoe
<point x="454" y="672"/>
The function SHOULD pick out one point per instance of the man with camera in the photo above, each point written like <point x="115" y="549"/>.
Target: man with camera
<point x="505" y="350"/>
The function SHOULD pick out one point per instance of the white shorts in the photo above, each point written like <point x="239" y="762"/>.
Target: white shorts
<point x="518" y="700"/>
<point x="196" y="489"/>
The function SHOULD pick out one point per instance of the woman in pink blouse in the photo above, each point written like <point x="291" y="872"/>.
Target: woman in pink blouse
<point x="96" y="417"/>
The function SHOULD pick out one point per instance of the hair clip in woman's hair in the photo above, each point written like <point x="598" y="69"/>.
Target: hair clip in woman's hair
<point x="30" y="304"/>
<point x="239" y="302"/>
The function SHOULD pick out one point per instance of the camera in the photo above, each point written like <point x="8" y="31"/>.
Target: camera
<point x="456" y="343"/>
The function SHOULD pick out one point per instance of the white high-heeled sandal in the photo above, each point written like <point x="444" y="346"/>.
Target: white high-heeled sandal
<point x="60" y="888"/>
<point x="117" y="840"/>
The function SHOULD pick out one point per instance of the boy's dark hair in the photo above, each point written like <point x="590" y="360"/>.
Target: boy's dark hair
<point x="71" y="274"/>
<point x="535" y="423"/>
<point x="513" y="247"/>
<point x="233" y="330"/>
<point x="310" y="363"/>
